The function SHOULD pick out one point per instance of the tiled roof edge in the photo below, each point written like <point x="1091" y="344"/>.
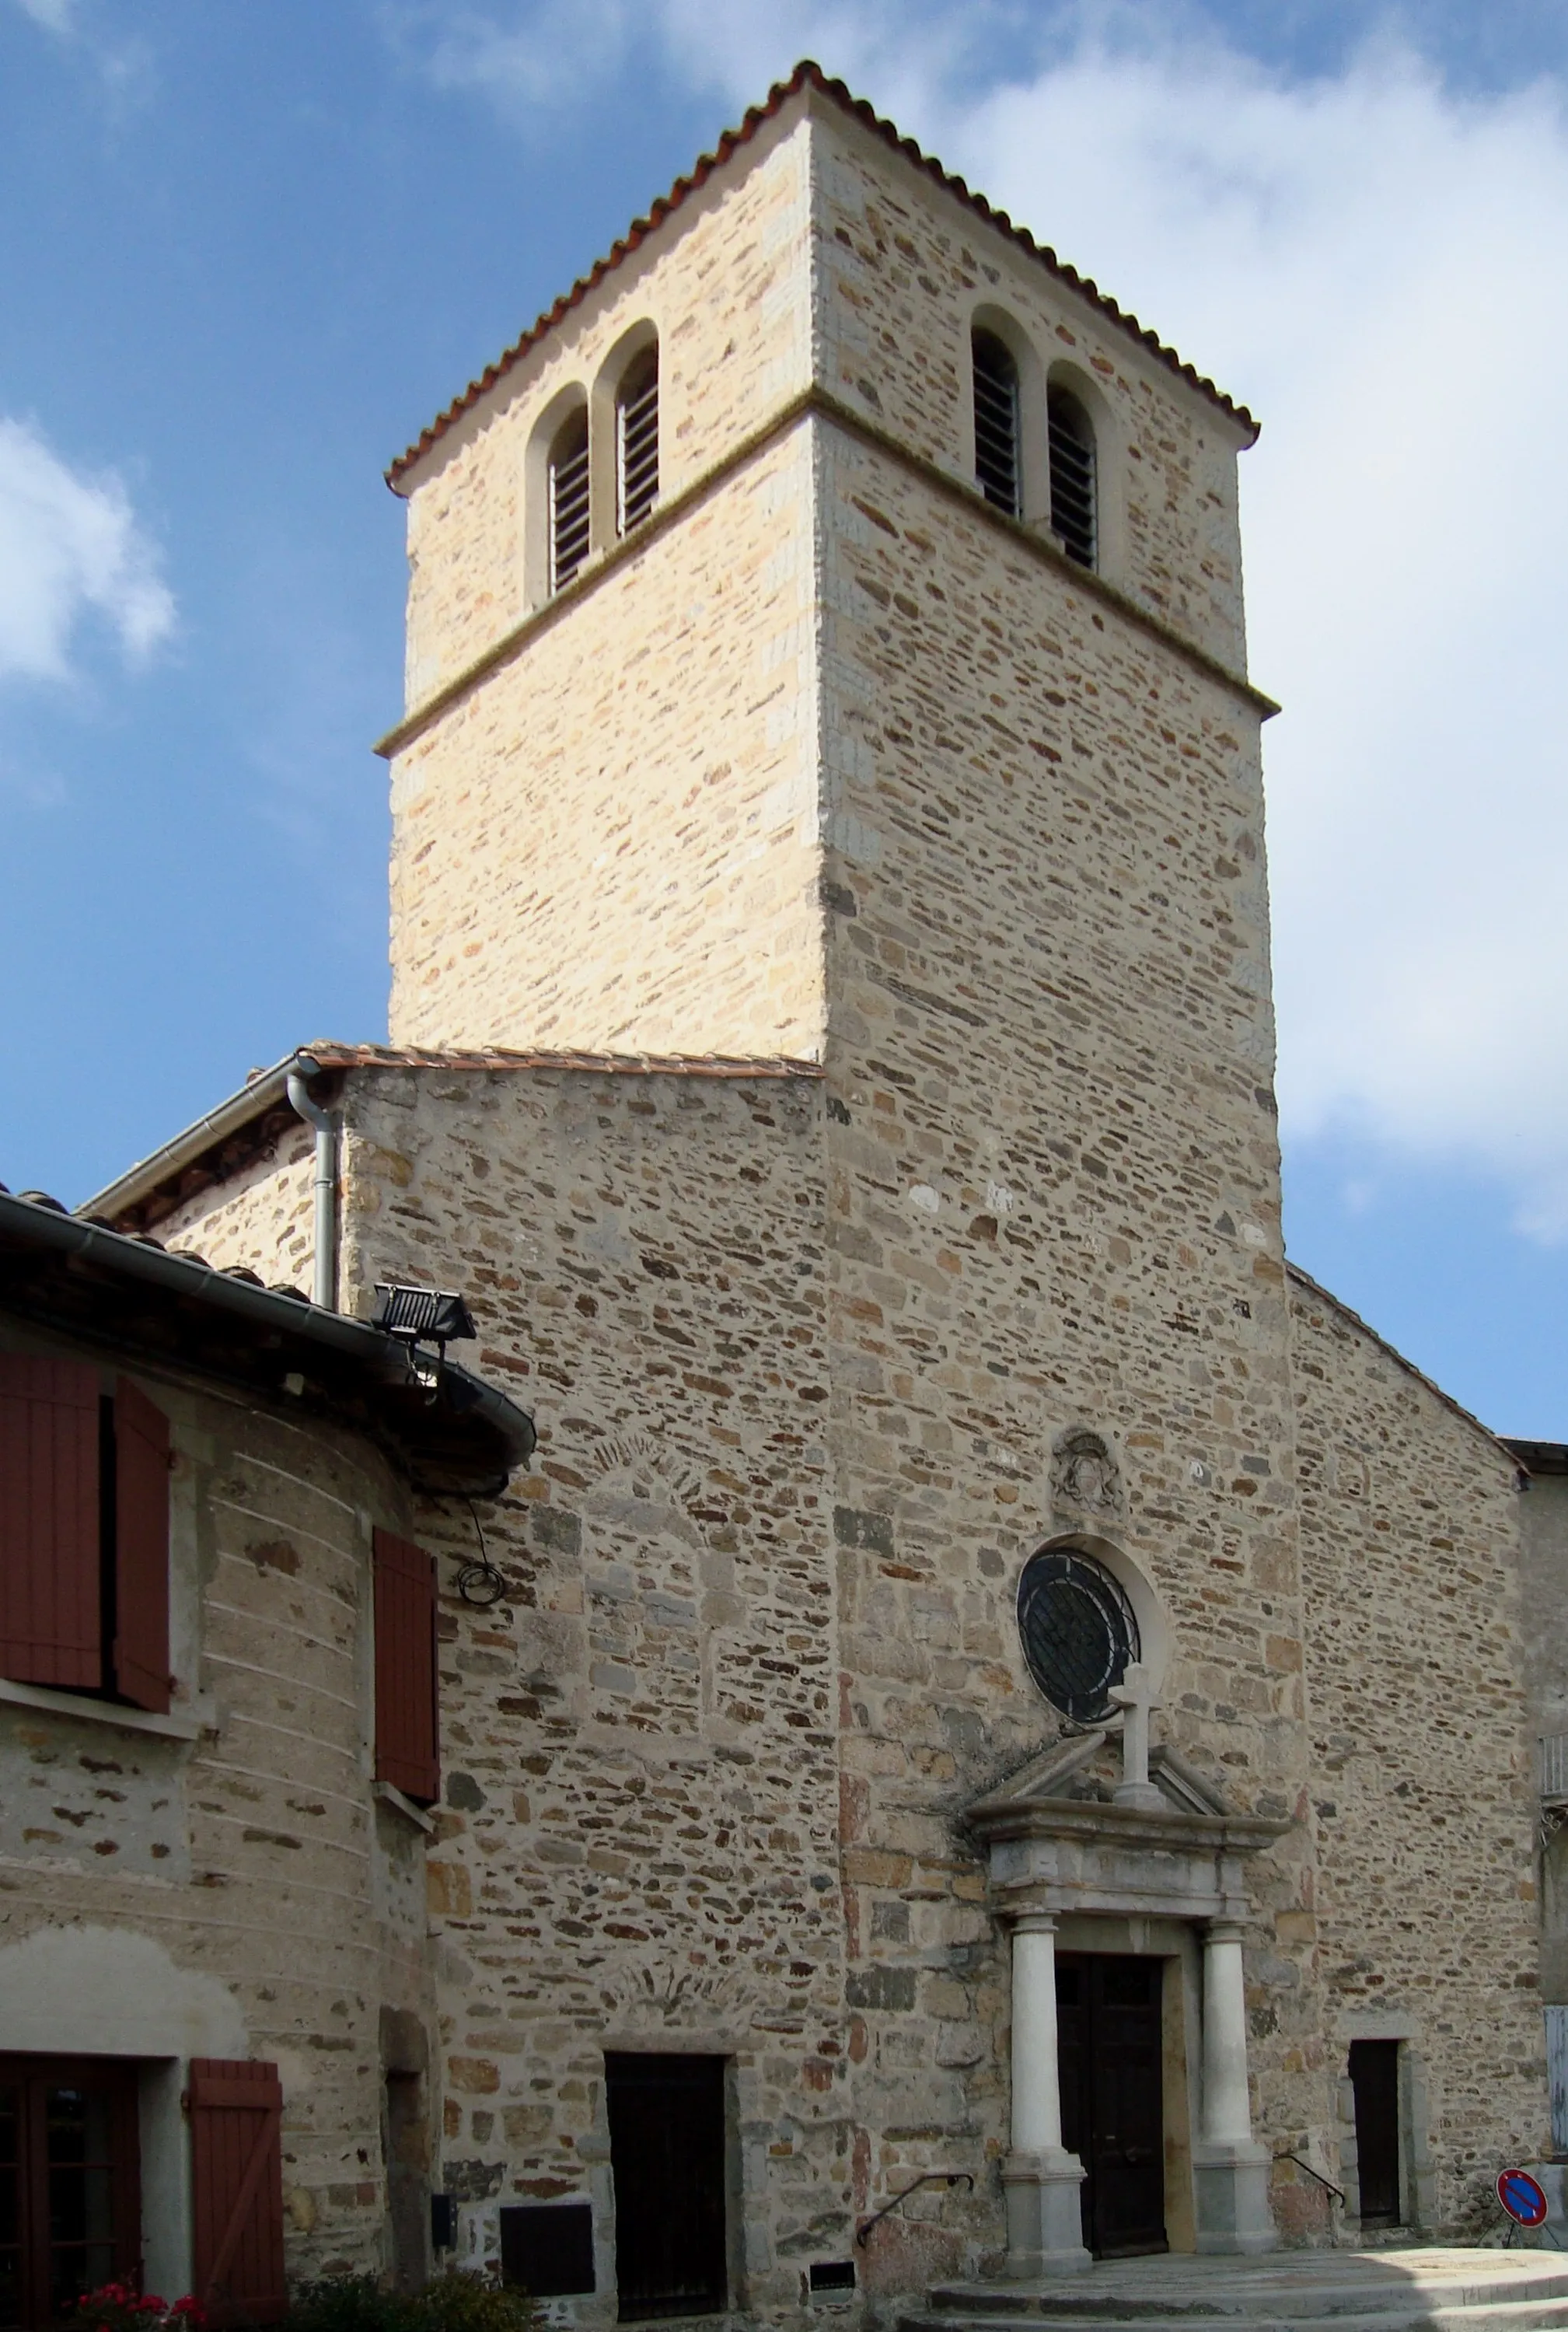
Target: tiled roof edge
<point x="502" y="1056"/>
<point x="1315" y="1287"/>
<point x="265" y="1098"/>
<point x="808" y="76"/>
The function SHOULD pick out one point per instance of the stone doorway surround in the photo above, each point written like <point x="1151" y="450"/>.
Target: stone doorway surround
<point x="1164" y="1854"/>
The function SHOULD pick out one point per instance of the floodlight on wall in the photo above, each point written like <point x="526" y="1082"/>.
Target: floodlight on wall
<point x="421" y="1316"/>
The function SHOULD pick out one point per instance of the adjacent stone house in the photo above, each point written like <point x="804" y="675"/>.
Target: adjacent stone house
<point x="1003" y="1734"/>
<point x="218" y="1734"/>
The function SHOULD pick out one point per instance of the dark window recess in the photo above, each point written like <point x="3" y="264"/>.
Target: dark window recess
<point x="407" y="1718"/>
<point x="1078" y="1630"/>
<point x="996" y="461"/>
<point x="548" y="2248"/>
<point x="84" y="1533"/>
<point x="70" y="2204"/>
<point x="667" y="2158"/>
<point x="444" y="2223"/>
<point x="637" y="443"/>
<point x="1108" y="2038"/>
<point x="1374" y="2082"/>
<point x="832" y="2275"/>
<point x="1072" y="476"/>
<point x="570" y="500"/>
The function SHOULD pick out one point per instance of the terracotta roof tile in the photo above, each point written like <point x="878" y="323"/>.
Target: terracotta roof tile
<point x="806" y="75"/>
<point x="501" y="1056"/>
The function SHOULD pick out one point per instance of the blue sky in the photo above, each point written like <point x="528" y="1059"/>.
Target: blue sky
<point x="247" y="252"/>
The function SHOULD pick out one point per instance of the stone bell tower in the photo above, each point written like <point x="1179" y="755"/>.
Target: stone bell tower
<point x="881" y="703"/>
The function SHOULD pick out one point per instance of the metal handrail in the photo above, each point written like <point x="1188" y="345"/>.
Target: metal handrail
<point x="1302" y="2163"/>
<point x="927" y="2178"/>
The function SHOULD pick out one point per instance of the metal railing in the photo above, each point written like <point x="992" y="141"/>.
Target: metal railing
<point x="929" y="2178"/>
<point x="1554" y="1764"/>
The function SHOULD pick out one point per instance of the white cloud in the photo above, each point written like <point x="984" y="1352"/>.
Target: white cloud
<point x="1371" y="262"/>
<point x="54" y="15"/>
<point x="69" y="546"/>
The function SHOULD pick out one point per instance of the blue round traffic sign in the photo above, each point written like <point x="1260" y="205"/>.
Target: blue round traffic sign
<point x="1521" y="2198"/>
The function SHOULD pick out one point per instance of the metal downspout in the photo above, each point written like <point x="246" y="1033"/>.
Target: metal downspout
<point x="324" y="1181"/>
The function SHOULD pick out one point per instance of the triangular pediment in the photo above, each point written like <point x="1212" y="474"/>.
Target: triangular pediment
<point x="1085" y="1767"/>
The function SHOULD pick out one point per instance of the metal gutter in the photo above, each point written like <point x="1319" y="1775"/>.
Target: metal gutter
<point x="268" y="1091"/>
<point x="380" y="1357"/>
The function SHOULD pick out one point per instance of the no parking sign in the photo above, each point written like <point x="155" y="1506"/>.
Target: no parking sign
<point x="1522" y="2197"/>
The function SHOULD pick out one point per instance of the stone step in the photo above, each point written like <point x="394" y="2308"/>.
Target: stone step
<point x="1474" y="2290"/>
<point x="1414" y="2313"/>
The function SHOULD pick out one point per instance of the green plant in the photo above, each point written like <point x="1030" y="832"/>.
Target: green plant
<point x="454" y="2301"/>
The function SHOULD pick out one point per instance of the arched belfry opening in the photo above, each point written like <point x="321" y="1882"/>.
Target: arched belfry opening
<point x="1074" y="486"/>
<point x="998" y="452"/>
<point x="569" y="532"/>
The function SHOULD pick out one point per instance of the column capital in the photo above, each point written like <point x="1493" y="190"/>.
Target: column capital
<point x="1224" y="1931"/>
<point x="1032" y="1923"/>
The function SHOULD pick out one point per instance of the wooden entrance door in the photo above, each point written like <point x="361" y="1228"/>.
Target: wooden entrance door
<point x="1374" y="2084"/>
<point x="667" y="2158"/>
<point x="1110" y="2040"/>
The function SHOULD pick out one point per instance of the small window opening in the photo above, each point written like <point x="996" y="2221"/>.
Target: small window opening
<point x="996" y="423"/>
<point x="637" y="443"/>
<point x="1073" y="475"/>
<point x="570" y="500"/>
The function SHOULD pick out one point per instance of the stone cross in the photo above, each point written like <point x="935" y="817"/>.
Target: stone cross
<point x="1135" y="1697"/>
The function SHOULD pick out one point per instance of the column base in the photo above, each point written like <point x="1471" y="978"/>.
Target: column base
<point x="1231" y="2183"/>
<point x="1044" y="2215"/>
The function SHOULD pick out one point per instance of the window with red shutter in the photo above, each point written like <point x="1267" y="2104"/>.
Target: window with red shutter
<point x="51" y="1528"/>
<point x="407" y="1727"/>
<point x="141" y="1549"/>
<point x="237" y="2189"/>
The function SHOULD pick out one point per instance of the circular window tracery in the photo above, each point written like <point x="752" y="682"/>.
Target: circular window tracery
<point x="1078" y="1631"/>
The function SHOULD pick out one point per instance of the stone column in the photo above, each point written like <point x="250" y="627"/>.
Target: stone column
<point x="1231" y="2172"/>
<point x="1041" y="2179"/>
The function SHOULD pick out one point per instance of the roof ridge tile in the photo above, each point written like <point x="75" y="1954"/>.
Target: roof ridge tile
<point x="807" y="74"/>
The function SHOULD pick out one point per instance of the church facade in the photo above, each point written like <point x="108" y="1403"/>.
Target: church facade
<point x="999" y="1733"/>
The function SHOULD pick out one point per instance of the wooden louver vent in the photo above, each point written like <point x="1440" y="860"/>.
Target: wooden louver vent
<point x="997" y="465"/>
<point x="568" y="500"/>
<point x="637" y="445"/>
<point x="1072" y="477"/>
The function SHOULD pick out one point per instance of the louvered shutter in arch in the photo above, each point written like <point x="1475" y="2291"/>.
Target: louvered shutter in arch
<point x="997" y="468"/>
<point x="237" y="2189"/>
<point x="637" y="443"/>
<point x="570" y="500"/>
<point x="141" y="1549"/>
<point x="1073" y="495"/>
<point x="407" y="1724"/>
<point x="51" y="1528"/>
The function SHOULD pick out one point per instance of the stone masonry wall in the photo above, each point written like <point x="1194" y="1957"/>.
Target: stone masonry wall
<point x="1055" y="1205"/>
<point x="901" y="267"/>
<point x="611" y="844"/>
<point x="1422" y="1781"/>
<point x="247" y="1876"/>
<point x="726" y="286"/>
<point x="638" y="1844"/>
<point x="260" y="1219"/>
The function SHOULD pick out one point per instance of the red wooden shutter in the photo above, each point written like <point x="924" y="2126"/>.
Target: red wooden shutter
<point x="407" y="1727"/>
<point x="141" y="1549"/>
<point x="237" y="2189"/>
<point x="51" y="1596"/>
